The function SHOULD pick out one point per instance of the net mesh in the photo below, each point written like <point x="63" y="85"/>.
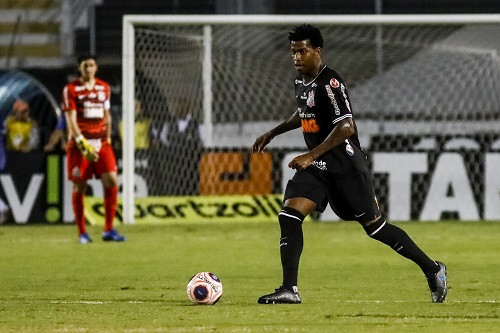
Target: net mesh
<point x="410" y="86"/>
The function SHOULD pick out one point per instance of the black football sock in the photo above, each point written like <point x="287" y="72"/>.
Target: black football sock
<point x="291" y="244"/>
<point x="400" y="242"/>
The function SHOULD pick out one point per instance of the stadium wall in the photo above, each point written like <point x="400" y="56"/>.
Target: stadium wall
<point x="432" y="178"/>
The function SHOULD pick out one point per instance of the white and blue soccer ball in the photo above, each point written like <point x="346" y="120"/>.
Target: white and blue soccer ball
<point x="204" y="288"/>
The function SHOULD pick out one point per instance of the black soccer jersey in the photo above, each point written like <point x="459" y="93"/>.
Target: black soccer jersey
<point x="322" y="103"/>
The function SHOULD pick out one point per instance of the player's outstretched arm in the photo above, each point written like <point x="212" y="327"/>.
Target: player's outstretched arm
<point x="262" y="141"/>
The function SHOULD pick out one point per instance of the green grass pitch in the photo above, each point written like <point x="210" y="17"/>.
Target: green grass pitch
<point x="348" y="282"/>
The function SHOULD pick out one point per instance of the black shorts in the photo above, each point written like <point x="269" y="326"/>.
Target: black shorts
<point x="351" y="196"/>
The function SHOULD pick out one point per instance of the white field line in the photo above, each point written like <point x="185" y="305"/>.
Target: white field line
<point x="95" y="302"/>
<point x="447" y="301"/>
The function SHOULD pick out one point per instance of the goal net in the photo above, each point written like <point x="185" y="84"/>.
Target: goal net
<point x="425" y="92"/>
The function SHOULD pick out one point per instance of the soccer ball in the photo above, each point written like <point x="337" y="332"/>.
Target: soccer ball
<point x="204" y="288"/>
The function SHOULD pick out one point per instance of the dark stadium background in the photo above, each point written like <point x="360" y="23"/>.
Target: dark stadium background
<point x="108" y="18"/>
<point x="108" y="33"/>
<point x="108" y="24"/>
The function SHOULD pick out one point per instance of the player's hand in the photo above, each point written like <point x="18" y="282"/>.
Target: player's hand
<point x="87" y="150"/>
<point x="301" y="162"/>
<point x="261" y="142"/>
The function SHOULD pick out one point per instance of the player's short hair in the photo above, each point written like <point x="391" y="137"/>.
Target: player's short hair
<point x="306" y="31"/>
<point x="86" y="56"/>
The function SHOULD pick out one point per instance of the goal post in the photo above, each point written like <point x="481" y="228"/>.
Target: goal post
<point x="233" y="71"/>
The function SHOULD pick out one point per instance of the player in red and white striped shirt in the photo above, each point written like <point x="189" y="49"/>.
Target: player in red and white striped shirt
<point x="86" y="103"/>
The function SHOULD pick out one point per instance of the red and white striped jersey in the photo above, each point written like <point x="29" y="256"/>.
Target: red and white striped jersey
<point x="89" y="105"/>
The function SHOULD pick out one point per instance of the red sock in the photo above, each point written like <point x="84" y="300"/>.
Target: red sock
<point x="78" y="210"/>
<point x="110" y="195"/>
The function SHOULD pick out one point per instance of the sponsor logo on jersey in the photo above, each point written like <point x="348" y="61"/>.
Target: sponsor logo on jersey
<point x="320" y="165"/>
<point x="309" y="125"/>
<point x="298" y="81"/>
<point x="342" y="89"/>
<point x="314" y="85"/>
<point x="80" y="88"/>
<point x="334" y="83"/>
<point x="310" y="99"/>
<point x="303" y="96"/>
<point x="330" y="94"/>
<point x="304" y="115"/>
<point x="349" y="150"/>
<point x="93" y="110"/>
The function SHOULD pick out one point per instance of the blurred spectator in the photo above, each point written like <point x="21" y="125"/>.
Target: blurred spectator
<point x="142" y="128"/>
<point x="21" y="130"/>
<point x="177" y="144"/>
<point x="58" y="137"/>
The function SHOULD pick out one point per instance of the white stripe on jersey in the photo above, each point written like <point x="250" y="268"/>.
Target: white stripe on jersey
<point x="336" y="120"/>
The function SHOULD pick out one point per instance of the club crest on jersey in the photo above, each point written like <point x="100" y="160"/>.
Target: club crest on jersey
<point x="310" y="99"/>
<point x="349" y="150"/>
<point x="101" y="96"/>
<point x="334" y="83"/>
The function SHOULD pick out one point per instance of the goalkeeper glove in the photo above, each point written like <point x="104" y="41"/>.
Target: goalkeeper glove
<point x="87" y="150"/>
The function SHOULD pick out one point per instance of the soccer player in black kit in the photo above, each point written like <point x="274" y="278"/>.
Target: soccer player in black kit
<point x="334" y="171"/>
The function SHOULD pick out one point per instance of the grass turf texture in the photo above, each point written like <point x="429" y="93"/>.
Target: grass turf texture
<point x="348" y="282"/>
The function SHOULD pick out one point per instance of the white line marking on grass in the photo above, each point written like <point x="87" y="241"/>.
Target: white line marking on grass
<point x="71" y="329"/>
<point x="412" y="301"/>
<point x="44" y="241"/>
<point x="102" y="302"/>
<point x="80" y="302"/>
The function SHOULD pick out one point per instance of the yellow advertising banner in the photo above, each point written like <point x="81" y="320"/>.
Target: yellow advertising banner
<point x="194" y="209"/>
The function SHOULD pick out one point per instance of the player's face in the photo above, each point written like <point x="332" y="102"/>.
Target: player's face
<point x="88" y="68"/>
<point x="306" y="58"/>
